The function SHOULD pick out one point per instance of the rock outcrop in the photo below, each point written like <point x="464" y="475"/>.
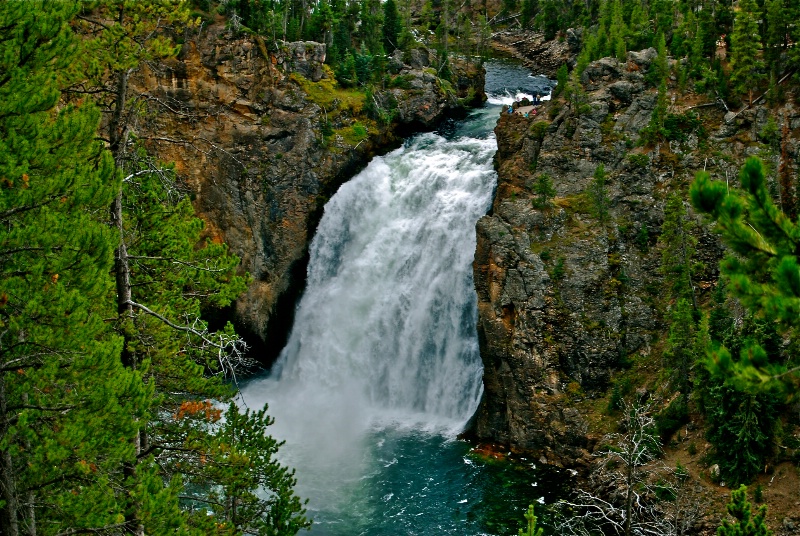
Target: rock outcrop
<point x="565" y="299"/>
<point x="540" y="55"/>
<point x="262" y="138"/>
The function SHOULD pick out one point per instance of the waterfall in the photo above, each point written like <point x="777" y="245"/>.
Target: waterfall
<point x="384" y="334"/>
<point x="381" y="369"/>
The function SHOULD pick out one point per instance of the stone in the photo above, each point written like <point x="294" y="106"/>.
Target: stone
<point x="622" y="90"/>
<point x="643" y="58"/>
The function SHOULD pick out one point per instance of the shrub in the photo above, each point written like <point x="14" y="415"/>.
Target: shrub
<point x="638" y="160"/>
<point x="544" y="190"/>
<point x="671" y="418"/>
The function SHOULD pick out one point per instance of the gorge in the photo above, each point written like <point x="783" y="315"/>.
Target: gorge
<point x="382" y="371"/>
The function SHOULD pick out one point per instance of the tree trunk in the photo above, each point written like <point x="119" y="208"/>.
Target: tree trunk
<point x="122" y="272"/>
<point x="9" y="524"/>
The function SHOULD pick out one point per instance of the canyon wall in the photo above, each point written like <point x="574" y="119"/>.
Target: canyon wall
<point x="262" y="138"/>
<point x="566" y="300"/>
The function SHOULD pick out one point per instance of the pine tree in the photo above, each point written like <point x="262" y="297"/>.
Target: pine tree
<point x="370" y="31"/>
<point x="598" y="195"/>
<point x="392" y="26"/>
<point x="679" y="355"/>
<point x="746" y="523"/>
<point x="65" y="399"/>
<point x="762" y="271"/>
<point x="167" y="277"/>
<point x="777" y="28"/>
<point x="544" y="190"/>
<point x="249" y="489"/>
<point x="531" y="529"/>
<point x="678" y="249"/>
<point x="746" y="64"/>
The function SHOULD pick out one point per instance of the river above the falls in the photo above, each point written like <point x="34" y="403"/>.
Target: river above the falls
<point x="382" y="370"/>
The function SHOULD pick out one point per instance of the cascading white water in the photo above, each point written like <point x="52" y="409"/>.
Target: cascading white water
<point x="385" y="332"/>
<point x="389" y="311"/>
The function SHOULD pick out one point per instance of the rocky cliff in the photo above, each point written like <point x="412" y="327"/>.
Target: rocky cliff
<point x="263" y="137"/>
<point x="567" y="300"/>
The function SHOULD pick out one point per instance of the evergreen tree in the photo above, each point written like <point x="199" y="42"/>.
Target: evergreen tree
<point x="762" y="272"/>
<point x="65" y="399"/>
<point x="248" y="488"/>
<point x="544" y="190"/>
<point x="678" y="249"/>
<point x="562" y="78"/>
<point x="777" y="29"/>
<point x="528" y="12"/>
<point x="166" y="277"/>
<point x="370" y="30"/>
<point x="679" y="355"/>
<point x="531" y="529"/>
<point x="746" y="523"/>
<point x="658" y="73"/>
<point x="598" y="195"/>
<point x="392" y="27"/>
<point x="746" y="63"/>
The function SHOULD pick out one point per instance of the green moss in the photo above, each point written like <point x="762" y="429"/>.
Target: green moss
<point x="353" y="134"/>
<point x="329" y="95"/>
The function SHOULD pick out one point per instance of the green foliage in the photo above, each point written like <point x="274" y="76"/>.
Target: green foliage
<point x="679" y="355"/>
<point x="559" y="270"/>
<point x="562" y="77"/>
<point x="741" y="425"/>
<point x="671" y="419"/>
<point x="598" y="195"/>
<point x="678" y="248"/>
<point x="761" y="272"/>
<point x="638" y="160"/>
<point x="544" y="190"/>
<point x="770" y="134"/>
<point x="65" y="399"/>
<point x="392" y="26"/>
<point x="94" y="376"/>
<point x="531" y="529"/>
<point x="619" y="391"/>
<point x="642" y="239"/>
<point x="246" y="486"/>
<point x="659" y="70"/>
<point x="538" y="130"/>
<point x="746" y="523"/>
<point x="655" y="131"/>
<point x="746" y="63"/>
<point x="677" y="127"/>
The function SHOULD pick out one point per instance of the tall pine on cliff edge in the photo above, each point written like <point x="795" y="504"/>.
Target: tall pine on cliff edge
<point x="66" y="402"/>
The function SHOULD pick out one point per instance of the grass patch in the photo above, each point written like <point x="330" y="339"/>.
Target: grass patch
<point x="329" y="95"/>
<point x="353" y="134"/>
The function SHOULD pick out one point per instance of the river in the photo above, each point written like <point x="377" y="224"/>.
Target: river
<point x="382" y="370"/>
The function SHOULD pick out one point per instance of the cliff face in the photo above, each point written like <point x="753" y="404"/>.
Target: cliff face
<point x="246" y="135"/>
<point x="566" y="300"/>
